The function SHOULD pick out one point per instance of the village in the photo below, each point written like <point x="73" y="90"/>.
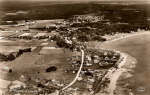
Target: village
<point x="74" y="47"/>
<point x="36" y="41"/>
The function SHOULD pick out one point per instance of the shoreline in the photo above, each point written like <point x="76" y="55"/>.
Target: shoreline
<point x="114" y="73"/>
<point x="124" y="66"/>
<point x="126" y="36"/>
<point x="117" y="73"/>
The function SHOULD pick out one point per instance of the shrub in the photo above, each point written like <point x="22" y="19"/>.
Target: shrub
<point x="98" y="38"/>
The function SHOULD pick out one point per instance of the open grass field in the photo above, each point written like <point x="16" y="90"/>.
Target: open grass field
<point x="33" y="65"/>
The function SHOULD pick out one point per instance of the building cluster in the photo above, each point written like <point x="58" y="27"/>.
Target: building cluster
<point x="95" y="64"/>
<point x="33" y="35"/>
<point x="86" y="18"/>
<point x="95" y="58"/>
<point x="92" y="72"/>
<point x="61" y="31"/>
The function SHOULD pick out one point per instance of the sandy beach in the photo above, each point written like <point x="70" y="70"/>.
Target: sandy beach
<point x="133" y="77"/>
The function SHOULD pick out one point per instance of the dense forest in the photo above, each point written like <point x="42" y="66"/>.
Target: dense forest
<point x="114" y="12"/>
<point x="117" y="17"/>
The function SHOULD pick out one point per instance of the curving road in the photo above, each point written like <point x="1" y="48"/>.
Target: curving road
<point x="78" y="73"/>
<point x="138" y="46"/>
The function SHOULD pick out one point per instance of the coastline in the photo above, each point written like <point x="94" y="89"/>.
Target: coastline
<point x="125" y="65"/>
<point x="125" y="35"/>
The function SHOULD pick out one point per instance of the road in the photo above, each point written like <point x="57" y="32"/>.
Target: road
<point x="78" y="73"/>
<point x="137" y="46"/>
